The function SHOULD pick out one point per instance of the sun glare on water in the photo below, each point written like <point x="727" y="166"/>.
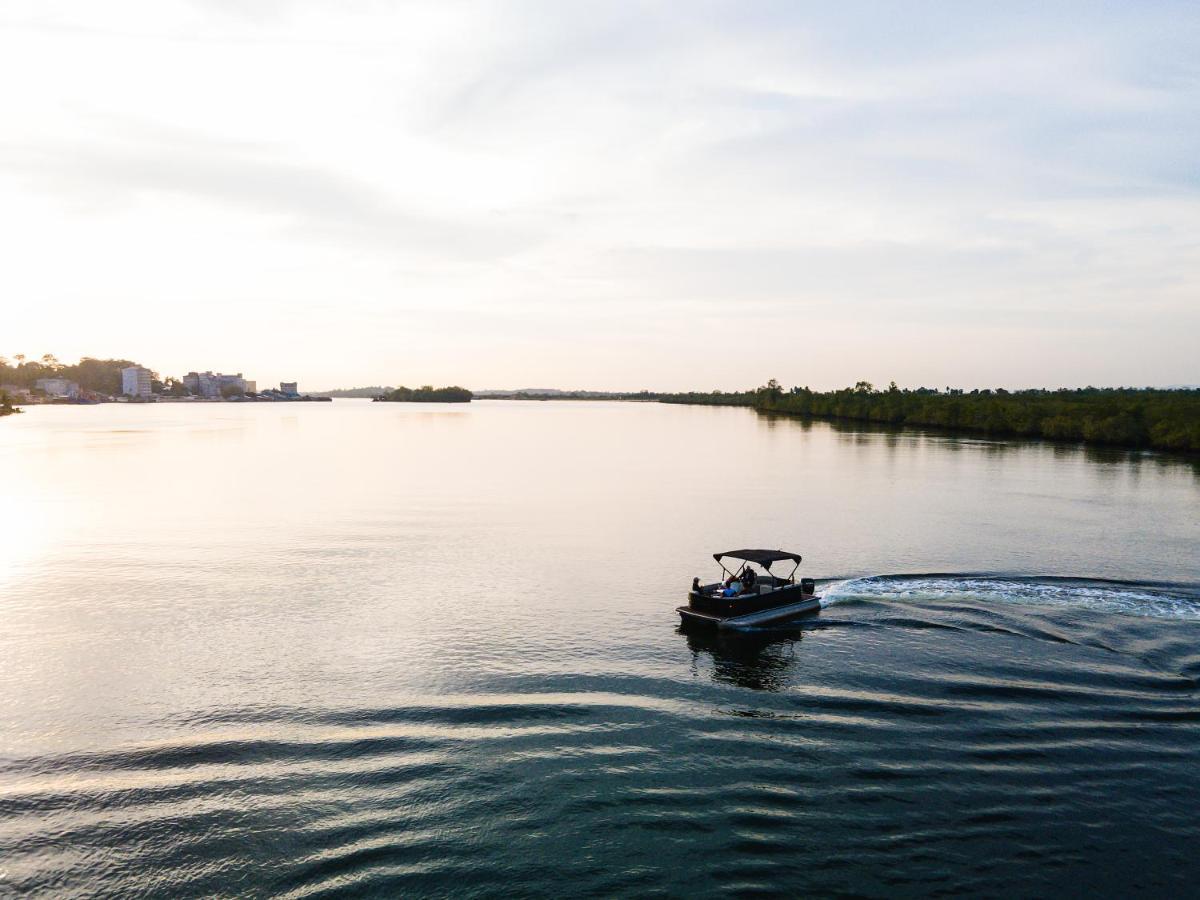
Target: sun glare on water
<point x="24" y="532"/>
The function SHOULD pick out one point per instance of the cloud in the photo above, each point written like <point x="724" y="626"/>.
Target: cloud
<point x="546" y="170"/>
<point x="306" y="199"/>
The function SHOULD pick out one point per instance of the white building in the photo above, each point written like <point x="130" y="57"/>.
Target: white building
<point x="58" y="387"/>
<point x="135" y="382"/>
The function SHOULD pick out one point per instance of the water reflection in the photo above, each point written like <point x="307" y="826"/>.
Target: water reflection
<point x="773" y="419"/>
<point x="760" y="662"/>
<point x="899" y="437"/>
<point x="373" y="650"/>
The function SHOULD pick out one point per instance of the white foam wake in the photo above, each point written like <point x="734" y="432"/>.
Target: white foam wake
<point x="1159" y="603"/>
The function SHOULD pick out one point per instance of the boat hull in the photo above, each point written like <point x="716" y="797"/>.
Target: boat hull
<point x="724" y="607"/>
<point x="774" y="615"/>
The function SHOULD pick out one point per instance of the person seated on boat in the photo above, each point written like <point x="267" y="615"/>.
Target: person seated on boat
<point x="749" y="579"/>
<point x="733" y="587"/>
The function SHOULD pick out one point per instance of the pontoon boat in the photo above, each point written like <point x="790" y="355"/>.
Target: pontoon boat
<point x="748" y="598"/>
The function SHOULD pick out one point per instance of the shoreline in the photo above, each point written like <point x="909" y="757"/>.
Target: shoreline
<point x="1129" y="418"/>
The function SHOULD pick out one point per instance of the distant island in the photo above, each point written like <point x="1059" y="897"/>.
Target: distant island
<point x="426" y="394"/>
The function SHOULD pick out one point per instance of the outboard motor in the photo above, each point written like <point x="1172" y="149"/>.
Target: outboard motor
<point x="808" y="586"/>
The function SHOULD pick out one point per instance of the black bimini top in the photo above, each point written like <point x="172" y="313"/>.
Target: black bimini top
<point x="763" y="557"/>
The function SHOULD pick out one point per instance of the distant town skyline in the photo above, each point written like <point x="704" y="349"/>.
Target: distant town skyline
<point x="612" y="197"/>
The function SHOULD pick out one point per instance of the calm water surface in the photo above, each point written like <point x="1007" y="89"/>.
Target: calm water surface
<point x="314" y="649"/>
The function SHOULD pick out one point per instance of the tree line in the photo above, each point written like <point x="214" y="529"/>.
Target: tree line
<point x="1123" y="417"/>
<point x="427" y="394"/>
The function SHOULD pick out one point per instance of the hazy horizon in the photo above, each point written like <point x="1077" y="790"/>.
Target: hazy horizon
<point x="534" y="388"/>
<point x="615" y="197"/>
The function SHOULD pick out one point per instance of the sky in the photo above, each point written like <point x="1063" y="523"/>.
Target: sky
<point x="612" y="195"/>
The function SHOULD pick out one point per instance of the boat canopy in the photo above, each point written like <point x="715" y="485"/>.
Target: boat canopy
<point x="763" y="557"/>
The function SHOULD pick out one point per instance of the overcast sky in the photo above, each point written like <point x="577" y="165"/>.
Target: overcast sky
<point x="605" y="195"/>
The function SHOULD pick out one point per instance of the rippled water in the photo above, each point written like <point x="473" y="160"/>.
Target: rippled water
<point x="308" y="650"/>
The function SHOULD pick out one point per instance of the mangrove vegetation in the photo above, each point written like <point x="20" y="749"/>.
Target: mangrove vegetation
<point x="1123" y="417"/>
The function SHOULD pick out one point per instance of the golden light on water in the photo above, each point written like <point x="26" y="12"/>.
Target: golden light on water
<point x="25" y="530"/>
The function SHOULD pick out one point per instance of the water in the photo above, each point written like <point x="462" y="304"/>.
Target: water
<point x="306" y="650"/>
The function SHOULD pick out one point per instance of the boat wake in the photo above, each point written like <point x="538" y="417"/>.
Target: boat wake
<point x="1152" y="623"/>
<point x="1157" y="600"/>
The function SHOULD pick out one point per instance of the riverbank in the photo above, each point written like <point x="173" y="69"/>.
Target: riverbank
<point x="1133" y="418"/>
